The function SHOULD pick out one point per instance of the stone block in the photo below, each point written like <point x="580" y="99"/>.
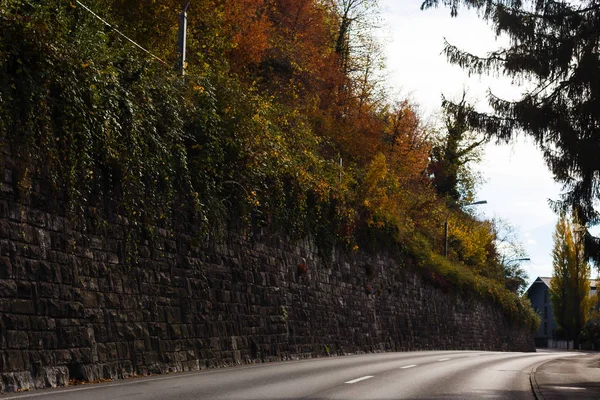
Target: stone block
<point x="6" y="268"/>
<point x="175" y="331"/>
<point x="35" y="252"/>
<point x="24" y="289"/>
<point x="102" y="353"/>
<point x="8" y="288"/>
<point x="123" y="351"/>
<point x="17" y="322"/>
<point x="13" y="361"/>
<point x="82" y="355"/>
<point x="75" y="310"/>
<point x="63" y="357"/>
<point x="41" y="357"/>
<point x="90" y="299"/>
<point x="51" y="308"/>
<point x="112" y="258"/>
<point x="39" y="323"/>
<point x="16" y="231"/>
<point x="23" y="307"/>
<point x="53" y="376"/>
<point x="112" y="300"/>
<point x="36" y="340"/>
<point x="44" y="272"/>
<point x="17" y="340"/>
<point x="18" y="381"/>
<point x="48" y="290"/>
<point x="4" y="229"/>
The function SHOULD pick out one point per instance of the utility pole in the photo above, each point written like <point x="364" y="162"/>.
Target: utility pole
<point x="182" y="36"/>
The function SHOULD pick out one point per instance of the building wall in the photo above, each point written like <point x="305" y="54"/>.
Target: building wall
<point x="539" y="295"/>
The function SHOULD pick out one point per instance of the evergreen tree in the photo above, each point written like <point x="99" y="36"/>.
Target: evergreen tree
<point x="554" y="45"/>
<point x="570" y="284"/>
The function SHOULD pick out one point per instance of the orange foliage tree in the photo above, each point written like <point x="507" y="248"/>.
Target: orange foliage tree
<point x="299" y="93"/>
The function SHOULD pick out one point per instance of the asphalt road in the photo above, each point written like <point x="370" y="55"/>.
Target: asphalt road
<point x="411" y="375"/>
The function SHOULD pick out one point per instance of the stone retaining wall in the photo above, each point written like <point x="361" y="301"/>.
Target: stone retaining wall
<point x="72" y="307"/>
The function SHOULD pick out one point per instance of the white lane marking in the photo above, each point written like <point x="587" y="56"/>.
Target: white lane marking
<point x="568" y="388"/>
<point x="360" y="379"/>
<point x="443" y="359"/>
<point x="409" y="366"/>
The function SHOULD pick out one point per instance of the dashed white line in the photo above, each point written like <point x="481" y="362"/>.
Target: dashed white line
<point x="409" y="366"/>
<point x="568" y="388"/>
<point x="360" y="379"/>
<point x="443" y="359"/>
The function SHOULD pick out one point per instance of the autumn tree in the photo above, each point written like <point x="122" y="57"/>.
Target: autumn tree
<point x="554" y="47"/>
<point x="353" y="45"/>
<point x="300" y="62"/>
<point x="570" y="284"/>
<point x="394" y="184"/>
<point x="249" y="28"/>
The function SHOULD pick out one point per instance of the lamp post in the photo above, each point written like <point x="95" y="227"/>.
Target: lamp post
<point x="475" y="203"/>
<point x="182" y="36"/>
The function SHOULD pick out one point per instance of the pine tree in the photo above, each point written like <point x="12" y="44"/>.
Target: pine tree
<point x="570" y="284"/>
<point x="554" y="45"/>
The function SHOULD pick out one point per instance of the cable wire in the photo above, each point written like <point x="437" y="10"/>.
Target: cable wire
<point x="119" y="32"/>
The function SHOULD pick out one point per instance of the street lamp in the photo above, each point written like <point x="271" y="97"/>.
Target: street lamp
<point x="475" y="203"/>
<point x="518" y="259"/>
<point x="513" y="276"/>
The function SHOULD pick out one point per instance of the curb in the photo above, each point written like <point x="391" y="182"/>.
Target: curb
<point x="535" y="387"/>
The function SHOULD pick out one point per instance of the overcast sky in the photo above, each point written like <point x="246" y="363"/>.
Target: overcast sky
<point x="518" y="184"/>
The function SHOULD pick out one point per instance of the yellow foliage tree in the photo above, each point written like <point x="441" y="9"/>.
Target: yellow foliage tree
<point x="570" y="284"/>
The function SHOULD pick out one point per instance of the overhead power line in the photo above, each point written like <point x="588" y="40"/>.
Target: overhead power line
<point x="119" y="32"/>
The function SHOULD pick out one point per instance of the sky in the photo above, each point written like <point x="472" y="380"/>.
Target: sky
<point x="517" y="182"/>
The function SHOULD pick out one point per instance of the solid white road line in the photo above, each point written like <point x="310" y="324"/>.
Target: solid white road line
<point x="409" y="366"/>
<point x="443" y="359"/>
<point x="360" y="379"/>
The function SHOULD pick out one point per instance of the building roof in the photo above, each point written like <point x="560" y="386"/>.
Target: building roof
<point x="546" y="281"/>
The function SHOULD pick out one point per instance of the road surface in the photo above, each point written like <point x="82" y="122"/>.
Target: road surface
<point x="410" y="375"/>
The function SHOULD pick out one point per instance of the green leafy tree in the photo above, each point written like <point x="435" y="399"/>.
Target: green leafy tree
<point x="554" y="47"/>
<point x="453" y="154"/>
<point x="570" y="282"/>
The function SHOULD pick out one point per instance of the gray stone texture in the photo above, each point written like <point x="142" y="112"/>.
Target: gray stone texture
<point x="73" y="305"/>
